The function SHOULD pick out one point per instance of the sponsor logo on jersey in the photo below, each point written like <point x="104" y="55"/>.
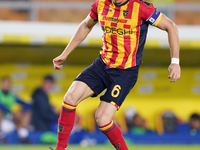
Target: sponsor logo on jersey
<point x="113" y="19"/>
<point x="114" y="30"/>
<point x="110" y="10"/>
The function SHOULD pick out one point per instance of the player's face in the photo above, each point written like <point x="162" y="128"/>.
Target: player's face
<point x="48" y="85"/>
<point x="6" y="85"/>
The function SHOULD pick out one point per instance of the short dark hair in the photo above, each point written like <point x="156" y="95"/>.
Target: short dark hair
<point x="49" y="77"/>
<point x="4" y="78"/>
<point x="195" y="116"/>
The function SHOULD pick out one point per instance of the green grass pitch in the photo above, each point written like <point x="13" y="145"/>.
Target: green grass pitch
<point x="102" y="147"/>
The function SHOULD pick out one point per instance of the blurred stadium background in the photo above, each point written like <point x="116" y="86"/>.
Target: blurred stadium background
<point x="33" y="32"/>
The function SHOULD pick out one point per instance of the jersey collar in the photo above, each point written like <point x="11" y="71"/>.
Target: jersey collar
<point x="121" y="4"/>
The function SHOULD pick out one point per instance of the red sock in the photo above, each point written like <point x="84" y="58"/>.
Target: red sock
<point x="114" y="134"/>
<point x="65" y="125"/>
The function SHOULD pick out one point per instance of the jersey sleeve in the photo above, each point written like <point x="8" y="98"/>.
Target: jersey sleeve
<point x="150" y="14"/>
<point x="93" y="12"/>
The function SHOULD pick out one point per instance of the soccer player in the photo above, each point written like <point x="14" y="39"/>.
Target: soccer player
<point x="124" y="24"/>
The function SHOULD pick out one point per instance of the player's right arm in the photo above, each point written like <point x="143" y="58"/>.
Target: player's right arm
<point x="170" y="27"/>
<point x="83" y="30"/>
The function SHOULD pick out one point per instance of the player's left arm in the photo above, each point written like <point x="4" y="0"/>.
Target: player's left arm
<point x="170" y="27"/>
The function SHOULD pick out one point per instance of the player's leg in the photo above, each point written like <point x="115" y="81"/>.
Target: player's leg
<point x="104" y="118"/>
<point x="88" y="83"/>
<point x="117" y="90"/>
<point x="77" y="92"/>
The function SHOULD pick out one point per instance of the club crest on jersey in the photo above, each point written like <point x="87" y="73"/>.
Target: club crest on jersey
<point x="117" y="146"/>
<point x="60" y="129"/>
<point x="125" y="13"/>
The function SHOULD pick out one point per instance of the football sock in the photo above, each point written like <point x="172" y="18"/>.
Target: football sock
<point x="65" y="124"/>
<point x="114" y="134"/>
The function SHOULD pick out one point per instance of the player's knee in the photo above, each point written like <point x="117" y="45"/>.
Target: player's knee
<point x="102" y="119"/>
<point x="69" y="98"/>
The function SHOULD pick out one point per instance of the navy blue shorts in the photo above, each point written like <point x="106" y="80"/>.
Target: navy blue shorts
<point x="117" y="82"/>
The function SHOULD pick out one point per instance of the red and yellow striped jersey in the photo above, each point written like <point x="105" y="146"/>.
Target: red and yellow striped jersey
<point x="124" y="30"/>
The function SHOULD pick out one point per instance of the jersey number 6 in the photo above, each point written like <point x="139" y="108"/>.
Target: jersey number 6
<point x="116" y="90"/>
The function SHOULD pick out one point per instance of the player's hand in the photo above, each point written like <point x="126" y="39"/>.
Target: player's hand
<point x="174" y="72"/>
<point x="58" y="61"/>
